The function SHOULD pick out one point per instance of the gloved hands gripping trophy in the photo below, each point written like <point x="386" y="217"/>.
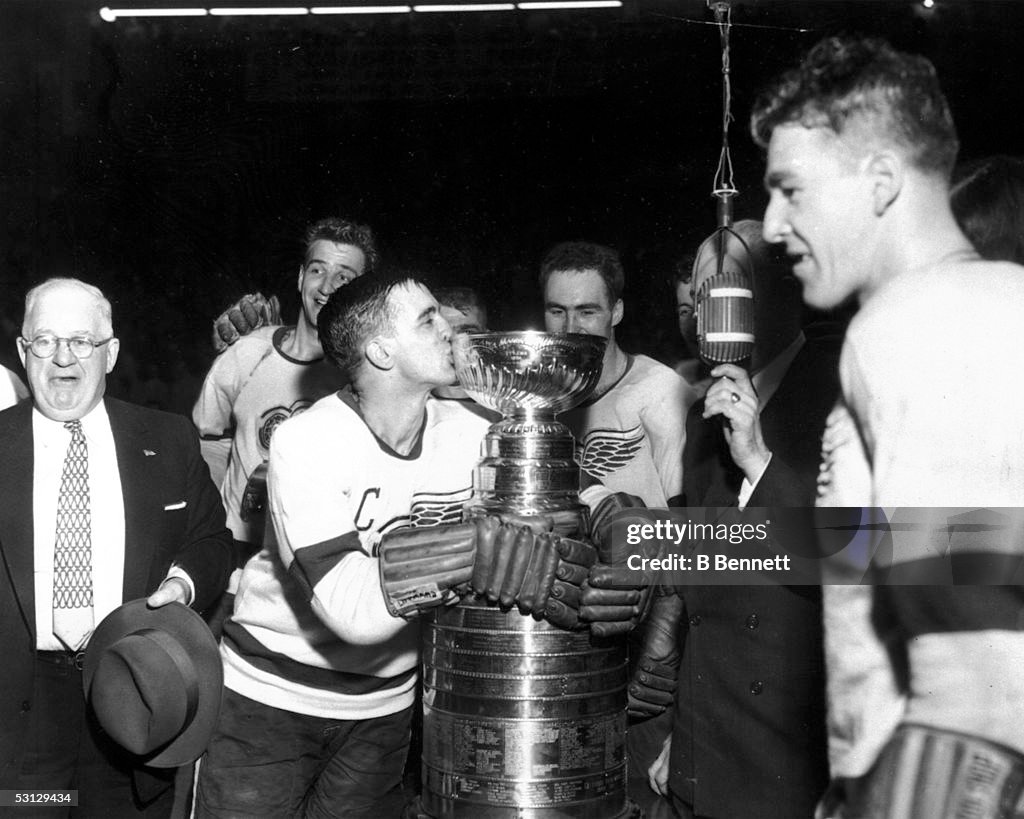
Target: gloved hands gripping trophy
<point x="534" y="540"/>
<point x="518" y="561"/>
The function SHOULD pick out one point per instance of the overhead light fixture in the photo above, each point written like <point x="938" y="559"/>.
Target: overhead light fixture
<point x="569" y="4"/>
<point x="259" y="11"/>
<point x="446" y="7"/>
<point x="360" y="9"/>
<point x="110" y="15"/>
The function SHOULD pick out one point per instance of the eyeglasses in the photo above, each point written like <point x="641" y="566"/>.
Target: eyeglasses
<point x="45" y="346"/>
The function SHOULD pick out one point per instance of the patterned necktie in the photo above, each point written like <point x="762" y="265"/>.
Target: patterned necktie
<point x="72" y="555"/>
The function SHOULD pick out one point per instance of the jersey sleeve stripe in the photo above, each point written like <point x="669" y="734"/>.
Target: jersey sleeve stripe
<point x="312" y="563"/>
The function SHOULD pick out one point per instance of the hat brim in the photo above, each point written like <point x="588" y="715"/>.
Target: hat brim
<point x="198" y="641"/>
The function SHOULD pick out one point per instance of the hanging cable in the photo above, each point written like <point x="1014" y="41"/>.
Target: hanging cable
<point x="723" y="291"/>
<point x="723" y="187"/>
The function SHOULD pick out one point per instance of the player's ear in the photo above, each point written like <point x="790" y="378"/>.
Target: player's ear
<point x="617" y="311"/>
<point x="379" y="352"/>
<point x="885" y="170"/>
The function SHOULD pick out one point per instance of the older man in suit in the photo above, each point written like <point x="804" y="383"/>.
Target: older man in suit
<point x="102" y="502"/>
<point x="748" y="739"/>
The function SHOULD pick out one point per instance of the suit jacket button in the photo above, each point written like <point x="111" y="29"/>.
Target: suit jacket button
<point x="753" y="621"/>
<point x="25" y="706"/>
<point x="756" y="687"/>
<point x="695" y="620"/>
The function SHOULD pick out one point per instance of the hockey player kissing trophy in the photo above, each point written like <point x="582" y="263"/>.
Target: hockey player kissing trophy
<point x="524" y="702"/>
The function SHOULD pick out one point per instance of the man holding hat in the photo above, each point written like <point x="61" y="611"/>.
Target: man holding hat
<point x="104" y="502"/>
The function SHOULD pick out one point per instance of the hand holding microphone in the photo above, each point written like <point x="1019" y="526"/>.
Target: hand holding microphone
<point x="724" y="302"/>
<point x="733" y="398"/>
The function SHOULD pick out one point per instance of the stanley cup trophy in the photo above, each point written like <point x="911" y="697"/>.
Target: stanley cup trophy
<point x="522" y="718"/>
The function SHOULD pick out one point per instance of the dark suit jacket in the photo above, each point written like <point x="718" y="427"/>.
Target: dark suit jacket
<point x="749" y="734"/>
<point x="160" y="465"/>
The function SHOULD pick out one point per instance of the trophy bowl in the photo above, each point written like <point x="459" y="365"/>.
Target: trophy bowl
<point x="528" y="370"/>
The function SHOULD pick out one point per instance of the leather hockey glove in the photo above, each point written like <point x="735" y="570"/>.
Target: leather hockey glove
<point x="602" y="515"/>
<point x="508" y="562"/>
<point x="653" y="683"/>
<point x="539" y="572"/>
<point x="249" y="313"/>
<point x="424" y="568"/>
<point x="614" y="598"/>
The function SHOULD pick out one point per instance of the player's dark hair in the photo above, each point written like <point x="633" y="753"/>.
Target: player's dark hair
<point x="844" y="80"/>
<point x="463" y="299"/>
<point x="576" y="257"/>
<point x="343" y="232"/>
<point x="356" y="313"/>
<point x="988" y="202"/>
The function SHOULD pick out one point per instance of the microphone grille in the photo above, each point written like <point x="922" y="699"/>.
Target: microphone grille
<point x="724" y="305"/>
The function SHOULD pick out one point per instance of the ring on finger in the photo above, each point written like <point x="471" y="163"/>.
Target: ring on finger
<point x="735" y="397"/>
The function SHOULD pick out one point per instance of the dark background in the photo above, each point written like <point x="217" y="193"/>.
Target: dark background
<point x="175" y="162"/>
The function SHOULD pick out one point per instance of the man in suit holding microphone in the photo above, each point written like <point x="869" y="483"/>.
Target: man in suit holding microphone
<point x="103" y="502"/>
<point x="748" y="737"/>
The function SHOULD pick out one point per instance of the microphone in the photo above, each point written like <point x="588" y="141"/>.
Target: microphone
<point x="724" y="298"/>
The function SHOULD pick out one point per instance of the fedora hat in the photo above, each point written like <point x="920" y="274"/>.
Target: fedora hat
<point x="154" y="678"/>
